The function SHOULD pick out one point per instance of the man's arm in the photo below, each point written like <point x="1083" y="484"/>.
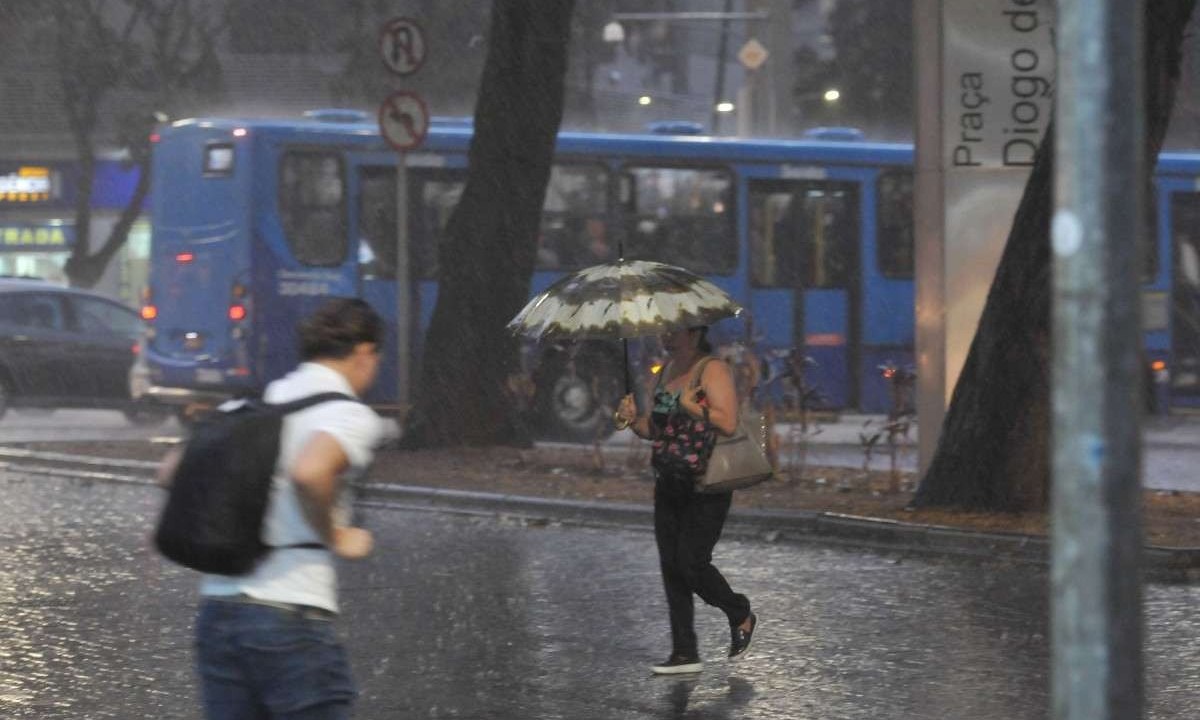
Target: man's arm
<point x="315" y="473"/>
<point x="167" y="466"/>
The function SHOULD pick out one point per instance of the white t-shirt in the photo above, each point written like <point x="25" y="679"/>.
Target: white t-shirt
<point x="303" y="576"/>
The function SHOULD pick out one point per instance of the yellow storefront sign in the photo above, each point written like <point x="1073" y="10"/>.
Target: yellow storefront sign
<point x="32" y="237"/>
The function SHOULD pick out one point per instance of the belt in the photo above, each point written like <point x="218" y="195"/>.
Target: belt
<point x="308" y="612"/>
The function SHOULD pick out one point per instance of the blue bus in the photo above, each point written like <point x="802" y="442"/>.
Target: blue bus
<point x="256" y="221"/>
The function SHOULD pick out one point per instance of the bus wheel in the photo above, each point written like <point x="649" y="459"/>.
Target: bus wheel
<point x="575" y="400"/>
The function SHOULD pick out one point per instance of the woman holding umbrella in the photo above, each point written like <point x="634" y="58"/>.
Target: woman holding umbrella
<point x="693" y="400"/>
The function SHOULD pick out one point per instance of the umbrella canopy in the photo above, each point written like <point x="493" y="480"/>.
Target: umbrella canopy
<point x="625" y="299"/>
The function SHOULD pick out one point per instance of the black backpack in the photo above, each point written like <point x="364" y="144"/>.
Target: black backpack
<point x="213" y="518"/>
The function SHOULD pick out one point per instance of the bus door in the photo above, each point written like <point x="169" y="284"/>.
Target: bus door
<point x="1184" y="301"/>
<point x="376" y="246"/>
<point x="803" y="255"/>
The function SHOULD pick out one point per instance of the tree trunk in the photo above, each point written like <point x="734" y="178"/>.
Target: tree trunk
<point x="993" y="453"/>
<point x="84" y="269"/>
<point x="488" y="257"/>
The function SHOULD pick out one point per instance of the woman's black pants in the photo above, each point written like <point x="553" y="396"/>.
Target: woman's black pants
<point x="687" y="525"/>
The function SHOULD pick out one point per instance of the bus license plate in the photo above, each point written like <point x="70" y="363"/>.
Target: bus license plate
<point x="208" y="375"/>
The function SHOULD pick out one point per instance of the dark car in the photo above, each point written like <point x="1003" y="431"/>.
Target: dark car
<point x="61" y="347"/>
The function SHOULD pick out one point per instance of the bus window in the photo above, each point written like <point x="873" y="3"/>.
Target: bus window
<point x="377" y="223"/>
<point x="1185" y="293"/>
<point x="682" y="217"/>
<point x="894" y="232"/>
<point x="435" y="200"/>
<point x="574" y="228"/>
<point x="802" y="234"/>
<point x="312" y="206"/>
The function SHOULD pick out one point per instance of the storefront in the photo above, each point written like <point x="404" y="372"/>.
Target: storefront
<point x="37" y="223"/>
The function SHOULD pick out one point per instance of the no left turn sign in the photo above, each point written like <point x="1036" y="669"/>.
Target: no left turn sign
<point x="403" y="120"/>
<point x="402" y="46"/>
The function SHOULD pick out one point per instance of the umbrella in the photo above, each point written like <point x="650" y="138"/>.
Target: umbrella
<point x="624" y="299"/>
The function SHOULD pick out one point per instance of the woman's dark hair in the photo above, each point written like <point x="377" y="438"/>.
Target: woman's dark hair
<point x="703" y="345"/>
<point x="337" y="327"/>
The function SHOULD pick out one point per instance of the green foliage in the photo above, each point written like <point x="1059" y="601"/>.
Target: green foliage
<point x="121" y="67"/>
<point x="872" y="66"/>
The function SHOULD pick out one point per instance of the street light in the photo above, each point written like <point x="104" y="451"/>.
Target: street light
<point x="832" y="95"/>
<point x="645" y="100"/>
<point x="725" y="107"/>
<point x="614" y="33"/>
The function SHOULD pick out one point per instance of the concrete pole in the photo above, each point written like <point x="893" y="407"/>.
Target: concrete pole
<point x="1097" y="231"/>
<point x="930" y="235"/>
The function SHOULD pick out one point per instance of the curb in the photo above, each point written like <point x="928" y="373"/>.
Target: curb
<point x="883" y="535"/>
<point x="892" y="536"/>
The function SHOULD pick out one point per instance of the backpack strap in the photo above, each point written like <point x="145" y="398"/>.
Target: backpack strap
<point x="303" y="403"/>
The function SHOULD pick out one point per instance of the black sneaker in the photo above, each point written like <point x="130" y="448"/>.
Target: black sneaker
<point x="678" y="665"/>
<point x="740" y="639"/>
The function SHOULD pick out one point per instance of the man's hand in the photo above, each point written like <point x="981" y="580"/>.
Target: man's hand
<point x="352" y="543"/>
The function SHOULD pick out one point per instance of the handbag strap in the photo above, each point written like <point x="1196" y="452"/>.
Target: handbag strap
<point x="698" y="372"/>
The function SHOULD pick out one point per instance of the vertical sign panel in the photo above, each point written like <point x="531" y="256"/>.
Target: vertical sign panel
<point x="997" y="92"/>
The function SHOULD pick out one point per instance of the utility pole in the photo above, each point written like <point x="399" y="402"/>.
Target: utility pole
<point x="1097" y="231"/>
<point x="722" y="48"/>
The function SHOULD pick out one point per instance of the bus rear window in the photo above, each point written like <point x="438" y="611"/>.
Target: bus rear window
<point x="681" y="216"/>
<point x="312" y="207"/>
<point x="218" y="159"/>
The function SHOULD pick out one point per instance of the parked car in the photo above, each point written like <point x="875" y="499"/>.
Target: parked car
<point x="61" y="347"/>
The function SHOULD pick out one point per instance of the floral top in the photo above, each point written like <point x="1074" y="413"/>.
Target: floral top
<point x="681" y="444"/>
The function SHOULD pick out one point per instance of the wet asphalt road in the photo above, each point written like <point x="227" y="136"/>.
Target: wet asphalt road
<point x="462" y="616"/>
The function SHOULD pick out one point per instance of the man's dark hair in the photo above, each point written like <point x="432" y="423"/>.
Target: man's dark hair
<point x="337" y="327"/>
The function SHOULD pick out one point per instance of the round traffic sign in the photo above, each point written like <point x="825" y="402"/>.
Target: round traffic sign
<point x="402" y="45"/>
<point x="403" y="120"/>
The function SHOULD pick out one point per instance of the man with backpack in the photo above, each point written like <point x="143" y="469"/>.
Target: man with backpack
<point x="265" y="640"/>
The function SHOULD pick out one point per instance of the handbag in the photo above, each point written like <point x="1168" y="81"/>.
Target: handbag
<point x="740" y="460"/>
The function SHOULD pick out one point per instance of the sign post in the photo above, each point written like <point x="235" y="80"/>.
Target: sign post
<point x="403" y="123"/>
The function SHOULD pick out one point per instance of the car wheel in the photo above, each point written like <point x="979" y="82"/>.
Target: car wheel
<point x="575" y="400"/>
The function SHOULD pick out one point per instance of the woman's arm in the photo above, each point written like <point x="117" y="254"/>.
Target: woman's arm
<point x="716" y="383"/>
<point x="627" y="417"/>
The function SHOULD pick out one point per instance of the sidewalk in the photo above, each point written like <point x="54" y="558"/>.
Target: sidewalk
<point x="847" y="430"/>
<point x="553" y="485"/>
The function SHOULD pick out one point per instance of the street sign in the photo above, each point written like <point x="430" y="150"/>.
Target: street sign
<point x="402" y="46"/>
<point x="752" y="55"/>
<point x="403" y="120"/>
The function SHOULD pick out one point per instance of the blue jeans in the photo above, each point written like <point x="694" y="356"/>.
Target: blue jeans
<point x="258" y="662"/>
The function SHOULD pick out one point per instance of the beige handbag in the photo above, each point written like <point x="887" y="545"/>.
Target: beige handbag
<point x="740" y="460"/>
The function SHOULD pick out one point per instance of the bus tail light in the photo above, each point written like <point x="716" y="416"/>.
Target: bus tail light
<point x="238" y="302"/>
<point x="184" y="258"/>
